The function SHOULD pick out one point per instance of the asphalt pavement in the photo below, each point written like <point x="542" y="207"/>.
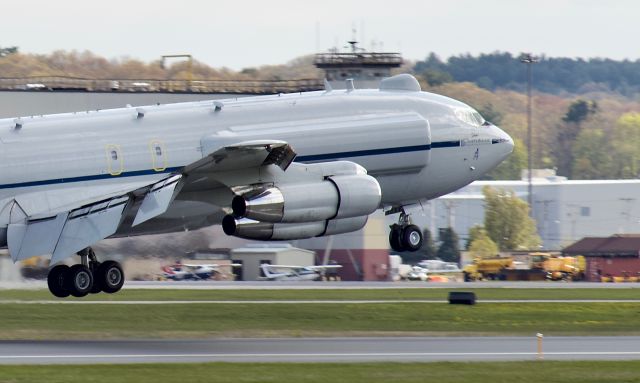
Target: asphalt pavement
<point x="403" y="349"/>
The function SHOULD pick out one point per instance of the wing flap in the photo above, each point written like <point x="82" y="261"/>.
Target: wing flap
<point x="157" y="201"/>
<point x="86" y="226"/>
<point x="36" y="237"/>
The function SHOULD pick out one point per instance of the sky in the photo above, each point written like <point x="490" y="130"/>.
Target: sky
<point x="249" y="33"/>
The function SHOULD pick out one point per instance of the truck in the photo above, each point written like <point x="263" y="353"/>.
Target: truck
<point x="487" y="268"/>
<point x="540" y="266"/>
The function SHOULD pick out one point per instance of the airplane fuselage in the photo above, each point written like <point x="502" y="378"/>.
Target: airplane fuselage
<point x="416" y="144"/>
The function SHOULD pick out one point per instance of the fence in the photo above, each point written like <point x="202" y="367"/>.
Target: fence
<point x="61" y="83"/>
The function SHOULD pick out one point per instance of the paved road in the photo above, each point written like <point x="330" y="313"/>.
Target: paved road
<point x="422" y="349"/>
<point x="265" y="285"/>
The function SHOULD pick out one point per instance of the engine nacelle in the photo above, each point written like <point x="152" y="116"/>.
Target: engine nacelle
<point x="250" y="229"/>
<point x="344" y="196"/>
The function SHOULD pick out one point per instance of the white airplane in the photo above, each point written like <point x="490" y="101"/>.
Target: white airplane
<point x="186" y="271"/>
<point x="70" y="180"/>
<point x="437" y="266"/>
<point x="295" y="273"/>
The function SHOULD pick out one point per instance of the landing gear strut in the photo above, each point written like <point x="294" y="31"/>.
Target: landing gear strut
<point x="405" y="236"/>
<point x="89" y="276"/>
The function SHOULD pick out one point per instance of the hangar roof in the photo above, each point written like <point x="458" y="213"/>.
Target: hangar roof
<point x="618" y="245"/>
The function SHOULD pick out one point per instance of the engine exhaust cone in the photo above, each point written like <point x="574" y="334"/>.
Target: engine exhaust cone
<point x="239" y="206"/>
<point x="229" y="225"/>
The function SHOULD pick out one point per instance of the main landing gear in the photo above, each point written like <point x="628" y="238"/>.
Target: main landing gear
<point x="89" y="276"/>
<point x="405" y="236"/>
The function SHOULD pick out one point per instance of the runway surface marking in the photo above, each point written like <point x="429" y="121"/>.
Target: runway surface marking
<point x="288" y="302"/>
<point x="346" y="285"/>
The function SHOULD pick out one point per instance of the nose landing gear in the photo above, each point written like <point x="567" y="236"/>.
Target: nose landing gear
<point x="405" y="236"/>
<point x="89" y="276"/>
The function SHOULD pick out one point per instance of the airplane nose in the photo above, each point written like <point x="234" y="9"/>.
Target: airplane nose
<point x="504" y="140"/>
<point x="509" y="141"/>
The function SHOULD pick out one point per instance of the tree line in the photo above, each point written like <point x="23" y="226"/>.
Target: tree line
<point x="551" y="74"/>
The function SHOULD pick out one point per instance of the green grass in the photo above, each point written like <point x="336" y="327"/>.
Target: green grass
<point x="338" y="294"/>
<point x="48" y="321"/>
<point x="479" y="372"/>
<point x="38" y="321"/>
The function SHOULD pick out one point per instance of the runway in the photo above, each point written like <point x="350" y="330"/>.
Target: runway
<point x="305" y="285"/>
<point x="405" y="349"/>
<point x="276" y="285"/>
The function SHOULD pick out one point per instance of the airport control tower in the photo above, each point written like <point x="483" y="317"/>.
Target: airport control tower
<point x="365" y="68"/>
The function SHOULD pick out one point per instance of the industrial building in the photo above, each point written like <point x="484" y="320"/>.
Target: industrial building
<point x="565" y="210"/>
<point x="615" y="257"/>
<point x="363" y="254"/>
<point x="254" y="255"/>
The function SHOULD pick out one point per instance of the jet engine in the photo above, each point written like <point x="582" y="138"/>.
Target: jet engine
<point x="250" y="229"/>
<point x="338" y="204"/>
<point x="334" y="198"/>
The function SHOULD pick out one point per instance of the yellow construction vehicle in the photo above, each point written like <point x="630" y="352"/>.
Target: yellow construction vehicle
<point x="564" y="268"/>
<point x="541" y="266"/>
<point x="487" y="268"/>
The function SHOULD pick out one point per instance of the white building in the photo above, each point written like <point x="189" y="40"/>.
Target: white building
<point x="565" y="210"/>
<point x="253" y="255"/>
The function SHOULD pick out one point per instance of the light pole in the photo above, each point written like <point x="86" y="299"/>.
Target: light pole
<point x="529" y="60"/>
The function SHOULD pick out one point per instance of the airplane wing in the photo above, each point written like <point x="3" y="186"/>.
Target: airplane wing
<point x="285" y="266"/>
<point x="65" y="228"/>
<point x="292" y="267"/>
<point x="324" y="267"/>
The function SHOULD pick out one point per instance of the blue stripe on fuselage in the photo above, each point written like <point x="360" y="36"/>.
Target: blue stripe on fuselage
<point x="307" y="158"/>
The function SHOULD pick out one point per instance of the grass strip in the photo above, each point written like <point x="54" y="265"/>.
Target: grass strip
<point x="250" y="320"/>
<point x="477" y="372"/>
<point x="338" y="294"/>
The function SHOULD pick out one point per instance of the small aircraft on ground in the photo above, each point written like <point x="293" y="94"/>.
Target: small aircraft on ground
<point x="295" y="273"/>
<point x="186" y="272"/>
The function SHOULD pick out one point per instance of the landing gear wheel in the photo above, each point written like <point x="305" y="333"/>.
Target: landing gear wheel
<point x="78" y="280"/>
<point x="110" y="276"/>
<point x="97" y="284"/>
<point x="395" y="238"/>
<point x="55" y="281"/>
<point x="412" y="238"/>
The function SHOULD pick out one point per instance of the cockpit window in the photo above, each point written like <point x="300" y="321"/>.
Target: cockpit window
<point x="470" y="117"/>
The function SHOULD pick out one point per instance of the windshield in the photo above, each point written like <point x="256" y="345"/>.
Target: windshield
<point x="470" y="117"/>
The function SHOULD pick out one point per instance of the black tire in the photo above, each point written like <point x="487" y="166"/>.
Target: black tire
<point x="78" y="280"/>
<point x="97" y="285"/>
<point x="55" y="281"/>
<point x="412" y="238"/>
<point x="395" y="238"/>
<point x="110" y="276"/>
